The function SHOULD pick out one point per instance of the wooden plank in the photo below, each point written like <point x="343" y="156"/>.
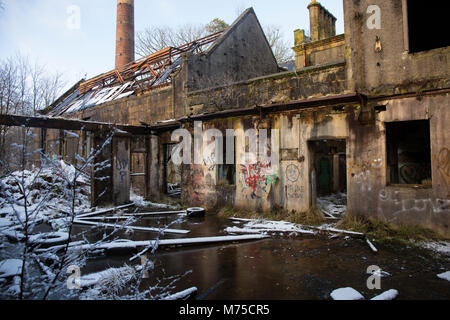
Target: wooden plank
<point x="155" y="213"/>
<point x="96" y="213"/>
<point x="116" y="226"/>
<point x="132" y="245"/>
<point x="69" y="124"/>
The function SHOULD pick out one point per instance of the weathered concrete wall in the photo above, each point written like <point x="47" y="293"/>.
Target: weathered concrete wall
<point x="278" y="88"/>
<point x="390" y="69"/>
<point x="241" y="53"/>
<point x="261" y="185"/>
<point x="369" y="193"/>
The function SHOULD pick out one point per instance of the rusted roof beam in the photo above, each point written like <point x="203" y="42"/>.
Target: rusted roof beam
<point x="138" y="67"/>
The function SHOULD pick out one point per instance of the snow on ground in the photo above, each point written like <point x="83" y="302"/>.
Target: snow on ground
<point x="265" y="226"/>
<point x="442" y="247"/>
<point x="346" y="294"/>
<point x="110" y="276"/>
<point x="140" y="202"/>
<point x="334" y="205"/>
<point x="10" y="268"/>
<point x="445" y="275"/>
<point x="387" y="295"/>
<point x="107" y="284"/>
<point x="47" y="194"/>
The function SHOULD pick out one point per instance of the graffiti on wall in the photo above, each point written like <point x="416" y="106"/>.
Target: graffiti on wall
<point x="257" y="177"/>
<point x="363" y="172"/>
<point x="444" y="167"/>
<point x="198" y="177"/>
<point x="122" y="169"/>
<point x="415" y="173"/>
<point x="292" y="189"/>
<point x="395" y="206"/>
<point x="292" y="173"/>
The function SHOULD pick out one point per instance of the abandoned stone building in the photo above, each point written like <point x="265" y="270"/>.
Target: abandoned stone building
<point x="365" y="112"/>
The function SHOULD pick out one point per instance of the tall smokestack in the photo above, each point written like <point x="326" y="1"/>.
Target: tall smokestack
<point x="124" y="33"/>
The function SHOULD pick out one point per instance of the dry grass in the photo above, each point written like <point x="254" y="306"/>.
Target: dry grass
<point x="374" y="228"/>
<point x="383" y="231"/>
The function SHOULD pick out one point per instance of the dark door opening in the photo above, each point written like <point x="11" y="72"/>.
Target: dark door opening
<point x="172" y="172"/>
<point x="138" y="169"/>
<point x="329" y="169"/>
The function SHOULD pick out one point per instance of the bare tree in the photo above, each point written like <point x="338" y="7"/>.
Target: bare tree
<point x="280" y="47"/>
<point x="25" y="88"/>
<point x="157" y="38"/>
<point x="8" y="98"/>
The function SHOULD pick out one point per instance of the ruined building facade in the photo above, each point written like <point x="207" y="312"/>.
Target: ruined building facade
<point x="364" y="112"/>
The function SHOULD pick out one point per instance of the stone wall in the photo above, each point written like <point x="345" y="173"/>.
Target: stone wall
<point x="282" y="87"/>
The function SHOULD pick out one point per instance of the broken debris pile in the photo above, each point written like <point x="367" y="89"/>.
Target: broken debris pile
<point x="333" y="206"/>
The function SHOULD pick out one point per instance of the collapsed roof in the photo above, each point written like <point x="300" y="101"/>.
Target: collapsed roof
<point x="150" y="72"/>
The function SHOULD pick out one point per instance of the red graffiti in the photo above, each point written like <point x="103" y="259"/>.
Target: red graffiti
<point x="197" y="184"/>
<point x="255" y="174"/>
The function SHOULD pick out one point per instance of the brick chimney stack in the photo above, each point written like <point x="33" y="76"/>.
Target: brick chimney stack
<point x="125" y="33"/>
<point x="322" y="22"/>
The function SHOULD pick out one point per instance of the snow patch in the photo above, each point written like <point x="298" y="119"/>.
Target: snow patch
<point x="181" y="295"/>
<point x="445" y="275"/>
<point x="265" y="226"/>
<point x="387" y="295"/>
<point x="346" y="294"/>
<point x="442" y="247"/>
<point x="10" y="268"/>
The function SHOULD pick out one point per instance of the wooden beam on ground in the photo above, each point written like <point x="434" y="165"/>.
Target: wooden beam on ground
<point x="133" y="245"/>
<point x="118" y="226"/>
<point x="69" y="124"/>
<point x="97" y="213"/>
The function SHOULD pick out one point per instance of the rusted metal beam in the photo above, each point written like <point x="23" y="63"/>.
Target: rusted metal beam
<point x="139" y="67"/>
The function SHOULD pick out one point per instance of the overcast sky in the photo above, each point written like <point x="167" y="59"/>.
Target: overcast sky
<point x="47" y="30"/>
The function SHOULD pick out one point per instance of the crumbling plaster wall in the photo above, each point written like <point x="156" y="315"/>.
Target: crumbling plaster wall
<point x="369" y="194"/>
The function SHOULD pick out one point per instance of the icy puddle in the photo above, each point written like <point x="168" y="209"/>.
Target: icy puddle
<point x="285" y="266"/>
